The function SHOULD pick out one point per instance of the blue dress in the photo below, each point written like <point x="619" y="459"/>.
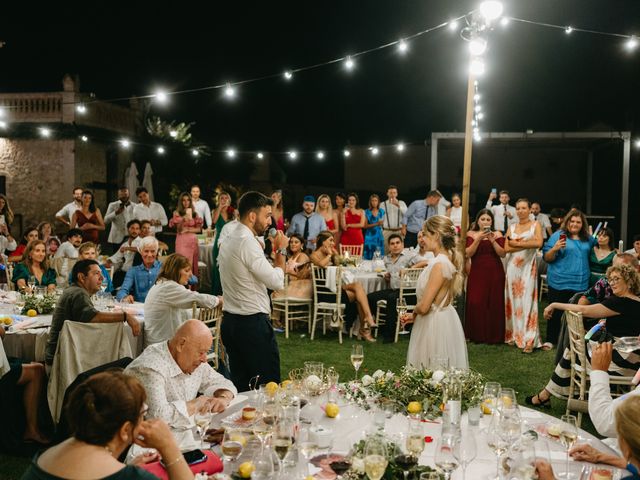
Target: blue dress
<point x="373" y="238"/>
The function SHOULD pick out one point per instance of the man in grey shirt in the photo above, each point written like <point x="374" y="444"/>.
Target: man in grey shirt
<point x="75" y="305"/>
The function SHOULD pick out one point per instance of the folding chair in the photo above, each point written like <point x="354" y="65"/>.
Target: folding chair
<point x="212" y="318"/>
<point x="292" y="309"/>
<point x="408" y="281"/>
<point x="327" y="300"/>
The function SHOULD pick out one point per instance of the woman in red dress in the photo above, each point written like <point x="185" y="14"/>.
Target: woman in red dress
<point x="352" y="222"/>
<point x="484" y="313"/>
<point x="277" y="211"/>
<point x="323" y="207"/>
<point x="88" y="219"/>
<point x="341" y="202"/>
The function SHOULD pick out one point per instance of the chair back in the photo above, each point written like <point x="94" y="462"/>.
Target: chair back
<point x="322" y="292"/>
<point x="354" y="250"/>
<point x="408" y="284"/>
<point x="577" y="344"/>
<point x="10" y="276"/>
<point x="63" y="267"/>
<point x="212" y="318"/>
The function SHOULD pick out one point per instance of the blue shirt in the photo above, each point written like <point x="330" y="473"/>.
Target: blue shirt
<point x="570" y="270"/>
<point x="416" y="214"/>
<point x="138" y="281"/>
<point x="316" y="225"/>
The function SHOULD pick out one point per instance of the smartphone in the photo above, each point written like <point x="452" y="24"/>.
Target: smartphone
<point x="494" y="191"/>
<point x="563" y="237"/>
<point x="487" y="229"/>
<point x="192" y="457"/>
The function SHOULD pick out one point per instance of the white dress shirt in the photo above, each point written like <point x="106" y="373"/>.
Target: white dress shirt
<point x="226" y="230"/>
<point x="246" y="274"/>
<point x="118" y="221"/>
<point x="167" y="306"/>
<point x="203" y="211"/>
<point x="154" y="211"/>
<point x="6" y="244"/>
<point x="124" y="261"/>
<point x="68" y="210"/>
<point x="169" y="388"/>
<point x="498" y="215"/>
<point x="393" y="214"/>
<point x="544" y="222"/>
<point x="602" y="406"/>
<point x="66" y="250"/>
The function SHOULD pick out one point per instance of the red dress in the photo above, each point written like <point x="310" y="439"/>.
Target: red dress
<point x="484" y="312"/>
<point x="330" y="224"/>
<point x="90" y="235"/>
<point x="352" y="236"/>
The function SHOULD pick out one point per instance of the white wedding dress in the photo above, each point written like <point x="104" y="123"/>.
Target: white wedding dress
<point x="439" y="333"/>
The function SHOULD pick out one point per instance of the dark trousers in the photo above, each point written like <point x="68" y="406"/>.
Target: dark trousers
<point x="388" y="330"/>
<point x="410" y="239"/>
<point x="251" y="349"/>
<point x="555" y="323"/>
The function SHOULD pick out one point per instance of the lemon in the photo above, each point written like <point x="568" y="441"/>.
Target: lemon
<point x="331" y="410"/>
<point x="31" y="313"/>
<point x="414" y="407"/>
<point x="487" y="406"/>
<point x="246" y="469"/>
<point x="240" y="438"/>
<point x="309" y="477"/>
<point x="6" y="320"/>
<point x="271" y="388"/>
<point x="507" y="402"/>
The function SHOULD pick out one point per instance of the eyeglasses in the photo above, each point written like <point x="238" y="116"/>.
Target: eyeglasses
<point x="613" y="280"/>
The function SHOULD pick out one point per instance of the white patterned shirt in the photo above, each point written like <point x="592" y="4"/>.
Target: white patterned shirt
<point x="169" y="388"/>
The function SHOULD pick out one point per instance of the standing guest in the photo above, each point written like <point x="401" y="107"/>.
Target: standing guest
<point x="139" y="279"/>
<point x="66" y="213"/>
<point x="307" y="223"/>
<point x="567" y="254"/>
<point x="148" y="210"/>
<point x="394" y="210"/>
<point x="503" y="214"/>
<point x="122" y="259"/>
<point x="521" y="294"/>
<point x="7" y="242"/>
<point x="557" y="217"/>
<point x="323" y="208"/>
<point x="119" y="214"/>
<point x="485" y="312"/>
<point x="88" y="218"/>
<point x="352" y="221"/>
<point x="418" y="212"/>
<point x="168" y="304"/>
<point x="373" y="237"/>
<point x="6" y="214"/>
<point x="636" y="247"/>
<point x="34" y="265"/>
<point x="201" y="206"/>
<point x="69" y="249"/>
<point x="601" y="256"/>
<point x="454" y="212"/>
<point x="75" y="305"/>
<point x="223" y="214"/>
<point x="30" y="233"/>
<point x="45" y="231"/>
<point x="437" y="331"/>
<point x="106" y="416"/>
<point x="542" y="219"/>
<point x="278" y="211"/>
<point x="341" y="203"/>
<point x="246" y="275"/>
<point x="89" y="251"/>
<point x="188" y="224"/>
<point x="173" y="373"/>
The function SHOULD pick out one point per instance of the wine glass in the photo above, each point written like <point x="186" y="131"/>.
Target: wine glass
<point x="496" y="441"/>
<point x="375" y="458"/>
<point x="203" y="419"/>
<point x="282" y="442"/>
<point x="232" y="444"/>
<point x="490" y="397"/>
<point x="262" y="431"/>
<point x="444" y="458"/>
<point x="31" y="282"/>
<point x="306" y="446"/>
<point x="568" y="437"/>
<point x="104" y="284"/>
<point x="465" y="451"/>
<point x="401" y="307"/>
<point x="405" y="459"/>
<point x="263" y="464"/>
<point x="357" y="357"/>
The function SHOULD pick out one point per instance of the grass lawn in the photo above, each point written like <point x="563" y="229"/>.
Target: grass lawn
<point x="527" y="374"/>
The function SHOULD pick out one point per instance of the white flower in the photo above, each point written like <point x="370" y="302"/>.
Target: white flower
<point x="313" y="381"/>
<point x="437" y="376"/>
<point x="367" y="380"/>
<point x="389" y="375"/>
<point x="378" y="374"/>
<point x="357" y="464"/>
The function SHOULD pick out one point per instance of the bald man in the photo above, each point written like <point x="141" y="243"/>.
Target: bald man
<point x="175" y="372"/>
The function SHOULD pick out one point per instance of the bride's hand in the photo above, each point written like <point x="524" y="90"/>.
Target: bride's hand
<point x="407" y="318"/>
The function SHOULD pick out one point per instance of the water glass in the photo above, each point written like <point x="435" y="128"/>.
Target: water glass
<point x="263" y="464"/>
<point x="473" y="415"/>
<point x="490" y="397"/>
<point x="465" y="451"/>
<point x="314" y="368"/>
<point x="444" y="458"/>
<point x="507" y="398"/>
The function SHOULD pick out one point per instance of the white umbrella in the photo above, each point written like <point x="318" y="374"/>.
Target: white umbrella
<point x="131" y="180"/>
<point x="147" y="181"/>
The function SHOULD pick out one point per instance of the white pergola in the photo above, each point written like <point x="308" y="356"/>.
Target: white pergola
<point x="624" y="137"/>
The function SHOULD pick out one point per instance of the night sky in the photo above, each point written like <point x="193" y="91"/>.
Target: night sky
<point x="537" y="78"/>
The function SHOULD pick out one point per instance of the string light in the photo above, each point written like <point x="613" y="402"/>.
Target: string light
<point x="491" y="10"/>
<point x="374" y="151"/>
<point x="231" y="153"/>
<point x="229" y="91"/>
<point x="403" y="46"/>
<point x="320" y="155"/>
<point x="637" y="143"/>
<point x="173" y="133"/>
<point x="45" y="132"/>
<point x="84" y="138"/>
<point x="632" y="43"/>
<point x="195" y="152"/>
<point x="161" y="96"/>
<point x="125" y="143"/>
<point x="568" y="30"/>
<point x="160" y="150"/>
<point x="477" y="66"/>
<point x="504" y="21"/>
<point x="453" y="25"/>
<point x="400" y="147"/>
<point x="346" y="153"/>
<point x="3" y="124"/>
<point x="81" y="108"/>
<point x="260" y="155"/>
<point x="477" y="46"/>
<point x="348" y="63"/>
<point x="292" y="154"/>
<point x="2" y="112"/>
<point x="288" y="75"/>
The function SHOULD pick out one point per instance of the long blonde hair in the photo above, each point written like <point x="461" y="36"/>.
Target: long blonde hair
<point x="330" y="209"/>
<point x="444" y="228"/>
<point x="628" y="424"/>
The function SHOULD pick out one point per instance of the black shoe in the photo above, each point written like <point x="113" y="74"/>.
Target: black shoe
<point x="541" y="404"/>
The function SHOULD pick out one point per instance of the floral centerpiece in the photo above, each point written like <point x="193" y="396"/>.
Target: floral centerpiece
<point x="346" y="260"/>
<point x="414" y="385"/>
<point x="40" y="303"/>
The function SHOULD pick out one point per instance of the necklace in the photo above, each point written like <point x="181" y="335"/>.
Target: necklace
<point x="108" y="449"/>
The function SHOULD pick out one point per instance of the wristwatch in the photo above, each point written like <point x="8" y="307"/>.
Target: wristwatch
<point x="282" y="251"/>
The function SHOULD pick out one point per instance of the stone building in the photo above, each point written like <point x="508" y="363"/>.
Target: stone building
<point x="38" y="172"/>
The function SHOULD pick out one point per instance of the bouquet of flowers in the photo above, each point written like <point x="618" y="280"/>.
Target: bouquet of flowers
<point x="40" y="303"/>
<point x="414" y="385"/>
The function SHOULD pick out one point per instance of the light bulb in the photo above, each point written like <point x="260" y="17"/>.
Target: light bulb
<point x="84" y="138"/>
<point x="504" y="21"/>
<point x="231" y="153"/>
<point x="403" y="46"/>
<point x="45" y="132"/>
<point x="346" y="153"/>
<point x="229" y="91"/>
<point x="161" y="96"/>
<point x="320" y="155"/>
<point x="374" y="151"/>
<point x="480" y="116"/>
<point x="292" y="154"/>
<point x="491" y="9"/>
<point x="80" y="108"/>
<point x="400" y="147"/>
<point x="124" y="143"/>
<point x="568" y="30"/>
<point x="260" y="155"/>
<point x="637" y="143"/>
<point x="477" y="46"/>
<point x="3" y="124"/>
<point x="632" y="43"/>
<point x="160" y="150"/>
<point x="195" y="152"/>
<point x="288" y="75"/>
<point x="453" y="25"/>
<point x="477" y="137"/>
<point x="476" y="97"/>
<point x="477" y="108"/>
<point x="349" y="63"/>
<point x="477" y="67"/>
<point x="173" y="134"/>
<point x="2" y="112"/>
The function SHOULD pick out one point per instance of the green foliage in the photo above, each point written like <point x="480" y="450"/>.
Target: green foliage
<point x="41" y="304"/>
<point x="156" y="127"/>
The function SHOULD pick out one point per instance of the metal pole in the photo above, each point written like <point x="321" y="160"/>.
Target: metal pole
<point x="466" y="177"/>
<point x="626" y="164"/>
<point x="434" y="161"/>
<point x="589" y="182"/>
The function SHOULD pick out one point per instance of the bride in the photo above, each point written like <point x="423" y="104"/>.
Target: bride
<point x="437" y="331"/>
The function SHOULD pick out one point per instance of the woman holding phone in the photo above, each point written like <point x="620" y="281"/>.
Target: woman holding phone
<point x="567" y="255"/>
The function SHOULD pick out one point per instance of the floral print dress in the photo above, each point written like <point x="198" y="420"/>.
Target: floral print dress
<point x="521" y="294"/>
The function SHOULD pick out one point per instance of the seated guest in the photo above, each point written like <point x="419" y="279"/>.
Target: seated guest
<point x="69" y="249"/>
<point x="168" y="304"/>
<point x="601" y="256"/>
<point x="6" y="214"/>
<point x="75" y="305"/>
<point x="34" y="264"/>
<point x="122" y="260"/>
<point x="325" y="255"/>
<point x="175" y="372"/>
<point x="396" y="260"/>
<point x="20" y="390"/>
<point x="420" y="256"/>
<point x="601" y="289"/>
<point x="30" y="233"/>
<point x="636" y="247"/>
<point x="89" y="251"/>
<point x="139" y="279"/>
<point x="621" y="310"/>
<point x="106" y="415"/>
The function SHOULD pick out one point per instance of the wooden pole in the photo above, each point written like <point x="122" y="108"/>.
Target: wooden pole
<point x="466" y="176"/>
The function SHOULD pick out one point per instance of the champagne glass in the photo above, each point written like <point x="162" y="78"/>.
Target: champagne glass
<point x="568" y="437"/>
<point x="357" y="357"/>
<point x="306" y="445"/>
<point x="401" y="307"/>
<point x="375" y="458"/>
<point x="465" y="451"/>
<point x="282" y="442"/>
<point x="444" y="458"/>
<point x="203" y="420"/>
<point x="232" y="444"/>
